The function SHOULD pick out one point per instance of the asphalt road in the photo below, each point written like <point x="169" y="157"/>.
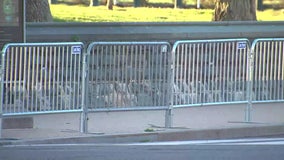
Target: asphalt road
<point x="233" y="150"/>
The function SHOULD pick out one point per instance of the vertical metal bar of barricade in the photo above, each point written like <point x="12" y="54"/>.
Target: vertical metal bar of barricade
<point x="250" y="67"/>
<point x="84" y="113"/>
<point x="169" y="114"/>
<point x="1" y="89"/>
<point x="250" y="80"/>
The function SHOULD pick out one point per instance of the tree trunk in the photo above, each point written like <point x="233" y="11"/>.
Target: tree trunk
<point x="94" y="3"/>
<point x="178" y="4"/>
<point x="235" y="10"/>
<point x="137" y="3"/>
<point x="38" y="11"/>
<point x="110" y="4"/>
<point x="260" y="5"/>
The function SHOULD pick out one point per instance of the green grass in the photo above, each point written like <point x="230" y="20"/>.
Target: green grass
<point x="271" y="15"/>
<point x="82" y="13"/>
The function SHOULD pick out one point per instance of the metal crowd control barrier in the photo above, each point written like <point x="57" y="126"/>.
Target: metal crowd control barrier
<point x="57" y="77"/>
<point x="128" y="76"/>
<point x="268" y="70"/>
<point x="41" y="78"/>
<point x="132" y="75"/>
<point x="210" y="71"/>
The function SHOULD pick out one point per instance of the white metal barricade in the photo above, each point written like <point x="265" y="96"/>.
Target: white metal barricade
<point x="210" y="71"/>
<point x="61" y="77"/>
<point x="131" y="75"/>
<point x="41" y="77"/>
<point x="268" y="69"/>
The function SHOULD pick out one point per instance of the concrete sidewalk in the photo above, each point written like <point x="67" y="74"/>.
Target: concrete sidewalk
<point x="206" y="122"/>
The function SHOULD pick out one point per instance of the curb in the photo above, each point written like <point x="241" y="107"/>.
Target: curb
<point x="6" y="141"/>
<point x="184" y="135"/>
<point x="223" y="133"/>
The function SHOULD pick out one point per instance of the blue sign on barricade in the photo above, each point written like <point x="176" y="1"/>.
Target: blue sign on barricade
<point x="242" y="45"/>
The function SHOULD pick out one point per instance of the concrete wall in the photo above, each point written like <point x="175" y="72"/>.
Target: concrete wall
<point x="87" y="32"/>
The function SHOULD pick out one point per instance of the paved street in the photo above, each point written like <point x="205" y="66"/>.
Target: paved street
<point x="245" y="149"/>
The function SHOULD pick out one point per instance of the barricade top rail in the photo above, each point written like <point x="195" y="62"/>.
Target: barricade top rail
<point x="129" y="42"/>
<point x="91" y="45"/>
<point x="39" y="44"/>
<point x="263" y="40"/>
<point x="208" y="41"/>
<point x="269" y="39"/>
